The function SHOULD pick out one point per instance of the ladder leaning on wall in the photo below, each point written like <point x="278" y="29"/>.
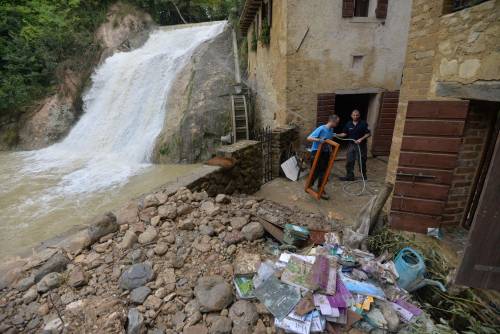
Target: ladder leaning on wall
<point x="240" y="117"/>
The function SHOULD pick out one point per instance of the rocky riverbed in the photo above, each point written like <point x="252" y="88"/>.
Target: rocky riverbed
<point x="163" y="264"/>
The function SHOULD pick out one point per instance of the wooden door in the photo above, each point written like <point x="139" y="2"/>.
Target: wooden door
<point x="480" y="267"/>
<point x="431" y="141"/>
<point x="382" y="139"/>
<point x="325" y="108"/>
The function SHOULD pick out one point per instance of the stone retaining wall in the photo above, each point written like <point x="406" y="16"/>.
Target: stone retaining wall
<point x="243" y="175"/>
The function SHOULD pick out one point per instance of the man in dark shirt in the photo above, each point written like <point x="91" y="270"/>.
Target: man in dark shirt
<point x="357" y="129"/>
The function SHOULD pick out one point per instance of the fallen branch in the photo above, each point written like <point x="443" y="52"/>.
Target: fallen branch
<point x="179" y="12"/>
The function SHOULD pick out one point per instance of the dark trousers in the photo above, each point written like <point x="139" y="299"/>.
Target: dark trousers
<point x="321" y="167"/>
<point x="353" y="156"/>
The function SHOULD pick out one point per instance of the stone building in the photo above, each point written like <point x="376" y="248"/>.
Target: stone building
<point x="445" y="149"/>
<point x="309" y="59"/>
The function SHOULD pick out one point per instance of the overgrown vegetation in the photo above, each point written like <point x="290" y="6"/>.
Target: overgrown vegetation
<point x="38" y="40"/>
<point x="41" y="39"/>
<point x="265" y="34"/>
<point x="463" y="310"/>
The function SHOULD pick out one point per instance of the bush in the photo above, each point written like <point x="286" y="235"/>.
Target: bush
<point x="265" y="34"/>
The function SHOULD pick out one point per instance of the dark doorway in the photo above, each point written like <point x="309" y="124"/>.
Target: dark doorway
<point x="345" y="104"/>
<point x="491" y="111"/>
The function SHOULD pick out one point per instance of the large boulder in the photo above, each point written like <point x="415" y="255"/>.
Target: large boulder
<point x="57" y="263"/>
<point x="213" y="293"/>
<point x="198" y="104"/>
<point x="101" y="226"/>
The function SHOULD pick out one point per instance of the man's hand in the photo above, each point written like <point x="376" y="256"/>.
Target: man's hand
<point x="359" y="141"/>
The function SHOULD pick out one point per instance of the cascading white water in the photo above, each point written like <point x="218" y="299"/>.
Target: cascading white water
<point x="124" y="111"/>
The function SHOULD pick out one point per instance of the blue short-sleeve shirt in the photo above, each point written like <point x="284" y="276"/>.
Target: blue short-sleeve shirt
<point x="321" y="132"/>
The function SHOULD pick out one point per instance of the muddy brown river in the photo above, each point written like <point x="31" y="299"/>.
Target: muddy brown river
<point x="35" y="207"/>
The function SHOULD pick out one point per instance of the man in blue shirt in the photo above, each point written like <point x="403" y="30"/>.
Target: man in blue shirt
<point x="318" y="136"/>
<point x="358" y="131"/>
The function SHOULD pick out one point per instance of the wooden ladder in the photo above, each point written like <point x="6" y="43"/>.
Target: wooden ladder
<point x="240" y="117"/>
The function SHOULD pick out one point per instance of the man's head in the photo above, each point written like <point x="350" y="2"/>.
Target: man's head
<point x="355" y="115"/>
<point x="333" y="121"/>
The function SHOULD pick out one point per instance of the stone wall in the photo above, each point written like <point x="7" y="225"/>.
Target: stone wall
<point x="445" y="51"/>
<point x="241" y="174"/>
<point x="267" y="67"/>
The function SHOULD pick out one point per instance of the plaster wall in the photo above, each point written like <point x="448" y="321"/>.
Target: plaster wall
<point x="324" y="62"/>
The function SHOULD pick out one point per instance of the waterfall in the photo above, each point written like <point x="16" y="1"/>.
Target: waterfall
<point x="124" y="112"/>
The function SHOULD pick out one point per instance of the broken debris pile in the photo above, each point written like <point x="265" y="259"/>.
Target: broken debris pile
<point x="330" y="288"/>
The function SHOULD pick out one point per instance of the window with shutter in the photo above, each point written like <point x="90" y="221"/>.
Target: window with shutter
<point x="381" y="11"/>
<point x="347" y="8"/>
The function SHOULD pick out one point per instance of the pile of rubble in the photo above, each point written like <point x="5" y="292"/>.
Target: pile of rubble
<point x="187" y="263"/>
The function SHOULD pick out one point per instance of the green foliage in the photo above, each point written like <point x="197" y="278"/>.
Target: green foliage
<point x="37" y="38"/>
<point x="165" y="12"/>
<point x="253" y="47"/>
<point x="265" y="34"/>
<point x="40" y="39"/>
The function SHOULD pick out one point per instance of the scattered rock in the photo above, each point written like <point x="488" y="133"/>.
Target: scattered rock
<point x="150" y="200"/>
<point x="30" y="295"/>
<point x="53" y="326"/>
<point x="221" y="325"/>
<point x="129" y="239"/>
<point x="197" y="329"/>
<point x="209" y="208"/>
<point x="243" y="313"/>
<point x="253" y="231"/>
<point x="207" y="230"/>
<point x="161" y="248"/>
<point x="161" y="197"/>
<point x="152" y="302"/>
<point x="139" y="295"/>
<point x="77" y="277"/>
<point x="148" y="236"/>
<point x="186" y="224"/>
<point x="49" y="282"/>
<point x="237" y="223"/>
<point x="233" y="237"/>
<point x="101" y="226"/>
<point x="213" y="293"/>
<point x="155" y="221"/>
<point x="223" y="199"/>
<point x="129" y="214"/>
<point x="136" y="276"/>
<point x="25" y="283"/>
<point x="135" y="322"/>
<point x="168" y="211"/>
<point x="57" y="263"/>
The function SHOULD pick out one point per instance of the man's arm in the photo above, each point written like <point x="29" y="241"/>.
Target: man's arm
<point x="311" y="139"/>
<point x="367" y="135"/>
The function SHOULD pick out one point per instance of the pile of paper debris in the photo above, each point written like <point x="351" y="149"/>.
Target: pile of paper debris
<point x="328" y="288"/>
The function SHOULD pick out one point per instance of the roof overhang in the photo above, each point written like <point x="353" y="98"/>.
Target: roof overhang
<point x="247" y="15"/>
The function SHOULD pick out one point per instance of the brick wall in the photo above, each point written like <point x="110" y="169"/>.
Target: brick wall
<point x="477" y="125"/>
